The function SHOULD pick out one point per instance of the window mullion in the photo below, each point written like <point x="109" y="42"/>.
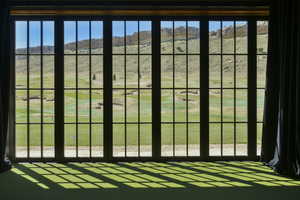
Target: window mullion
<point x="107" y="85"/>
<point x="204" y="93"/>
<point x="59" y="89"/>
<point x="156" y="90"/>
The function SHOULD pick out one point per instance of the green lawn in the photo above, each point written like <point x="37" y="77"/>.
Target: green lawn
<point x="183" y="100"/>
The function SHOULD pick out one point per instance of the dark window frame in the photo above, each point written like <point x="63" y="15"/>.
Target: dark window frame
<point x="156" y="92"/>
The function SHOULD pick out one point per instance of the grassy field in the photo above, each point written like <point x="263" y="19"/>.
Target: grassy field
<point x="184" y="99"/>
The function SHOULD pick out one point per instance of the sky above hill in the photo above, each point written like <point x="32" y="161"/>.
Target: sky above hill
<point x="119" y="30"/>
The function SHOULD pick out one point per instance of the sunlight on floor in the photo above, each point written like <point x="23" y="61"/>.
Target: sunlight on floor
<point x="151" y="175"/>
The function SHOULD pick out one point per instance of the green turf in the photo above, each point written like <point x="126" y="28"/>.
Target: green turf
<point x="181" y="98"/>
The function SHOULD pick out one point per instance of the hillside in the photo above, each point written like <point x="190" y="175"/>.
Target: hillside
<point x="145" y="37"/>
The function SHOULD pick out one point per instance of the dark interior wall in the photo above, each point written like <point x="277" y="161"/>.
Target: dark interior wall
<point x="138" y="3"/>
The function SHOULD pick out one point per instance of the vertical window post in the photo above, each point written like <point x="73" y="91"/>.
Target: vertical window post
<point x="156" y="93"/>
<point x="107" y="72"/>
<point x="252" y="76"/>
<point x="59" y="89"/>
<point x="204" y="93"/>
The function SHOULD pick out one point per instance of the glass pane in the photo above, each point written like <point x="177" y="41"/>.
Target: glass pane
<point x="48" y="37"/>
<point x="132" y="105"/>
<point x="34" y="37"/>
<point x="193" y="37"/>
<point x="48" y="106"/>
<point x="118" y="106"/>
<point x="180" y="106"/>
<point x="132" y="75"/>
<point x="83" y="106"/>
<point x="21" y="106"/>
<point x="97" y="105"/>
<point x="34" y="72"/>
<point x="97" y="71"/>
<point x="70" y="140"/>
<point x="214" y="71"/>
<point x="167" y="102"/>
<point x="83" y="72"/>
<point x="214" y="105"/>
<point x="167" y="140"/>
<point x="228" y="139"/>
<point x="118" y="31"/>
<point x="242" y="71"/>
<point x="118" y="140"/>
<point x="193" y="105"/>
<point x="132" y="140"/>
<point x="83" y="37"/>
<point x="21" y="37"/>
<point x="146" y="140"/>
<point x="193" y="71"/>
<point x="259" y="137"/>
<point x="194" y="140"/>
<point x="132" y="37"/>
<point x="48" y="71"/>
<point x="70" y="37"/>
<point x="96" y="37"/>
<point x="97" y="140"/>
<point x="35" y="140"/>
<point x="35" y="106"/>
<point x="260" y="104"/>
<point x="83" y="140"/>
<point x="180" y="38"/>
<point x="261" y="71"/>
<point x="21" y="71"/>
<point x="70" y="106"/>
<point x="167" y="70"/>
<point x="214" y="37"/>
<point x="262" y="37"/>
<point x="241" y="139"/>
<point x="228" y="71"/>
<point x="145" y="105"/>
<point x="180" y="140"/>
<point x="228" y="105"/>
<point x="167" y="32"/>
<point x="118" y="72"/>
<point x="241" y="37"/>
<point x="180" y="71"/>
<point x="145" y="76"/>
<point x="215" y="139"/>
<point x="48" y="141"/>
<point x="145" y="37"/>
<point x="21" y="141"/>
<point x="70" y="71"/>
<point x="242" y="105"/>
<point x="228" y="37"/>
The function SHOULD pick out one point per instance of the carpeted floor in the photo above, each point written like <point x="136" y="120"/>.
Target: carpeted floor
<point x="172" y="180"/>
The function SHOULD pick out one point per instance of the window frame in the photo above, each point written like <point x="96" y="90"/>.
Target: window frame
<point x="156" y="87"/>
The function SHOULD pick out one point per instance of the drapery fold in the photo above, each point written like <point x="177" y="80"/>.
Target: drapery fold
<point x="281" y="130"/>
<point x="4" y="84"/>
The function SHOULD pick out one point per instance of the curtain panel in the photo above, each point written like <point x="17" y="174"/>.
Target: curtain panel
<point x="4" y="83"/>
<point x="281" y="130"/>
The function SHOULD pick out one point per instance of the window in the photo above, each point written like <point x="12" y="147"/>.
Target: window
<point x="228" y="54"/>
<point x="138" y="88"/>
<point x="34" y="71"/>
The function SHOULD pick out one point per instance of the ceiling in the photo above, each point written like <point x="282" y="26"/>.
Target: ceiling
<point x="138" y="2"/>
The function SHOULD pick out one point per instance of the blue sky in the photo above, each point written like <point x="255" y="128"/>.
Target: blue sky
<point x="96" y="30"/>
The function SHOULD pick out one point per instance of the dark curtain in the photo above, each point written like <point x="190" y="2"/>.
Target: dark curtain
<point x="281" y="130"/>
<point x="4" y="84"/>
